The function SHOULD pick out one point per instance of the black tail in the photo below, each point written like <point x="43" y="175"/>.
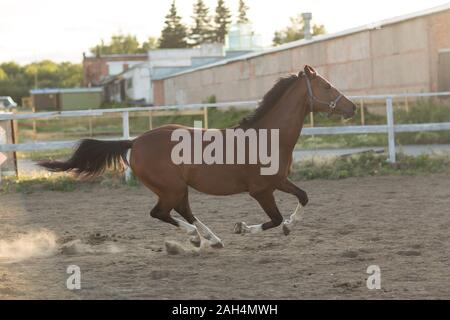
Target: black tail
<point x="92" y="157"/>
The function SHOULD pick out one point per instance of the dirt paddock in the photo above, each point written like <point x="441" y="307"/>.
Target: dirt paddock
<point x="400" y="224"/>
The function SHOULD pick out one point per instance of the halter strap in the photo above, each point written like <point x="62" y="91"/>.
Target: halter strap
<point x="312" y="98"/>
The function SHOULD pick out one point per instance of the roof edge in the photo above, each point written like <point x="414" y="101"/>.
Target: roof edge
<point x="320" y="38"/>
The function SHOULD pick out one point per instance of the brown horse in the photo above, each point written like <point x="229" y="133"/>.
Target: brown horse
<point x="284" y="108"/>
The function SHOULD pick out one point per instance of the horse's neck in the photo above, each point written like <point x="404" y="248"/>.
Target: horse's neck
<point x="288" y="116"/>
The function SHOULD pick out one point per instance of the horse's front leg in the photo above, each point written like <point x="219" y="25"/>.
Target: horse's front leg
<point x="267" y="202"/>
<point x="288" y="187"/>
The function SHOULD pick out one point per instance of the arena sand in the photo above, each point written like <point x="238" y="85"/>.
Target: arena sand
<point x="400" y="223"/>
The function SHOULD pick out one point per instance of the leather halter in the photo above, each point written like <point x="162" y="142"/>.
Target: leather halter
<point x="312" y="98"/>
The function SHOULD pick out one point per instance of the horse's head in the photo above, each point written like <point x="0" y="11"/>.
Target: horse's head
<point x="324" y="97"/>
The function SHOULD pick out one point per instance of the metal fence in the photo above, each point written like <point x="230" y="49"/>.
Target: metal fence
<point x="390" y="128"/>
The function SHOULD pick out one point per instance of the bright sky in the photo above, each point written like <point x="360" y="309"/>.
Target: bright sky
<point x="61" y="30"/>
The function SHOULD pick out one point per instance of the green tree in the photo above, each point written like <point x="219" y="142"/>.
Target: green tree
<point x="201" y="31"/>
<point x="295" y="31"/>
<point x="174" y="33"/>
<point x="11" y="68"/>
<point x="318" y="29"/>
<point x="3" y="75"/>
<point x="44" y="74"/>
<point x="15" y="83"/>
<point x="222" y="21"/>
<point x="150" y="44"/>
<point x="242" y="13"/>
<point x="69" y="75"/>
<point x="119" y="44"/>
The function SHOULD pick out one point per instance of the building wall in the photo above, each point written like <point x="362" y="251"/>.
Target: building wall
<point x="138" y="84"/>
<point x="80" y="101"/>
<point x="439" y="28"/>
<point x="184" y="57"/>
<point x="96" y="69"/>
<point x="46" y="101"/>
<point x="400" y="57"/>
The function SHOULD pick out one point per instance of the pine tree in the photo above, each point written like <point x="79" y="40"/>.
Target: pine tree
<point x="242" y="13"/>
<point x="201" y="31"/>
<point x="174" y="33"/>
<point x="222" y="20"/>
<point x="295" y="31"/>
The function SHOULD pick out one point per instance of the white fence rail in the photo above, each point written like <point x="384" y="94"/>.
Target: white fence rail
<point x="389" y="128"/>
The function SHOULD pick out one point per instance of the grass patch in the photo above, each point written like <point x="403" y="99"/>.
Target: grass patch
<point x="364" y="164"/>
<point x="62" y="182"/>
<point x="342" y="141"/>
<point x="31" y="183"/>
<point x="45" y="154"/>
<point x="369" y="164"/>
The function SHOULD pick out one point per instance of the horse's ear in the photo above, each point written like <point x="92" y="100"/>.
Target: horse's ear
<point x="310" y="72"/>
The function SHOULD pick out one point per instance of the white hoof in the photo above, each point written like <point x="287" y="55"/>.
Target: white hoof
<point x="240" y="228"/>
<point x="217" y="245"/>
<point x="195" y="241"/>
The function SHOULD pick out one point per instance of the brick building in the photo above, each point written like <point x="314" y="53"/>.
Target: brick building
<point x="97" y="68"/>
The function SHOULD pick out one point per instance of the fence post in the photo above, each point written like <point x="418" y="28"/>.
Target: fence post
<point x="391" y="131"/>
<point x="205" y="117"/>
<point x="363" y="119"/>
<point x="90" y="127"/>
<point x="150" y="120"/>
<point x="126" y="136"/>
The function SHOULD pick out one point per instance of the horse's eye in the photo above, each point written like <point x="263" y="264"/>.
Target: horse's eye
<point x="328" y="86"/>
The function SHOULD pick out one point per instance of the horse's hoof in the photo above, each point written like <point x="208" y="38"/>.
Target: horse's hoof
<point x="195" y="242"/>
<point x="286" y="230"/>
<point x="217" y="245"/>
<point x="238" y="228"/>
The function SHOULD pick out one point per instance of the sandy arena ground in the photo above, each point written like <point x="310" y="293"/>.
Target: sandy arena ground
<point x="398" y="223"/>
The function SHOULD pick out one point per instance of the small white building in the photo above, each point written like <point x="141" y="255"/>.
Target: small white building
<point x="134" y="85"/>
<point x="241" y="37"/>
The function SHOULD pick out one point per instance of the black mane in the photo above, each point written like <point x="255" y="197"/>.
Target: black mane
<point x="269" y="100"/>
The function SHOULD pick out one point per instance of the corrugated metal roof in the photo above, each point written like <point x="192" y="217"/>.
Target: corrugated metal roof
<point x="65" y="90"/>
<point x="303" y="42"/>
<point x="120" y="55"/>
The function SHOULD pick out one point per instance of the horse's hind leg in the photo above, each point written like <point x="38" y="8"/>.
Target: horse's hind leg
<point x="166" y="203"/>
<point x="162" y="210"/>
<point x="184" y="210"/>
<point x="193" y="226"/>
<point x="267" y="201"/>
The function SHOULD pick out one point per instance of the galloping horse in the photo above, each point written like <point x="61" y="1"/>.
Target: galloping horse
<point x="284" y="107"/>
